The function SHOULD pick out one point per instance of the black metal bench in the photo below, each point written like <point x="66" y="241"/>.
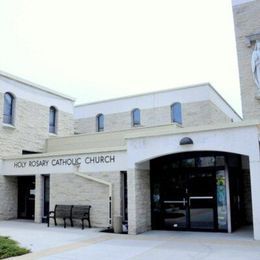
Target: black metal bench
<point x="60" y="211"/>
<point x="81" y="212"/>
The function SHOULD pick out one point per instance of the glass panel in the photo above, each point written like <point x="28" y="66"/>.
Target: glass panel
<point x="205" y="161"/>
<point x="188" y="192"/>
<point x="173" y="200"/>
<point x="156" y="205"/>
<point x="221" y="200"/>
<point x="201" y="212"/>
<point x="46" y="194"/>
<point x="175" y="164"/>
<point x="220" y="161"/>
<point x="201" y="184"/>
<point x="52" y="120"/>
<point x="100" y="123"/>
<point x="8" y="109"/>
<point x="188" y="163"/>
<point x="201" y="190"/>
<point x="176" y="113"/>
<point x="174" y="214"/>
<point x="136" y="117"/>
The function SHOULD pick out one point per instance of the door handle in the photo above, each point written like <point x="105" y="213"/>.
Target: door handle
<point x="201" y="198"/>
<point x="176" y="201"/>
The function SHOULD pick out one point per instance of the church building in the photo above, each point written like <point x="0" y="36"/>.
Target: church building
<point x="176" y="159"/>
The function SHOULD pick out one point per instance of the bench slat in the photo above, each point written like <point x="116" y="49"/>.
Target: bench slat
<point x="70" y="212"/>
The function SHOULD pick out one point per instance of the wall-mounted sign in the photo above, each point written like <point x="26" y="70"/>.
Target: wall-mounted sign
<point x="66" y="164"/>
<point x="65" y="161"/>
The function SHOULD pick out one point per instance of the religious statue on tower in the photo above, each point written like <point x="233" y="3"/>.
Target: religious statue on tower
<point x="255" y="62"/>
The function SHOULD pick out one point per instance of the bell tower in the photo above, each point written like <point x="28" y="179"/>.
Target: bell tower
<point x="247" y="27"/>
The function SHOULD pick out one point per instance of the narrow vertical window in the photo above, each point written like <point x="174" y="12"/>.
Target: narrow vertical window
<point x="53" y="120"/>
<point x="8" y="116"/>
<point x="100" y="122"/>
<point x="176" y="113"/>
<point x="136" y="118"/>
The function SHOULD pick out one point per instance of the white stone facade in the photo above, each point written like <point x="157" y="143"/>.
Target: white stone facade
<point x="87" y="167"/>
<point x="29" y="130"/>
<point x="201" y="105"/>
<point x="31" y="117"/>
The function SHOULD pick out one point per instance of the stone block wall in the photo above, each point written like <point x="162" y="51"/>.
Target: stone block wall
<point x="8" y="197"/>
<point x="76" y="190"/>
<point x="247" y="197"/>
<point x="193" y="114"/>
<point x="139" y="201"/>
<point x="30" y="127"/>
<point x="30" y="131"/>
<point x="247" y="22"/>
<point x="203" y="113"/>
<point x="39" y="198"/>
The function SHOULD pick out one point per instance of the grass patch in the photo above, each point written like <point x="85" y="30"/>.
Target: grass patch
<point x="9" y="247"/>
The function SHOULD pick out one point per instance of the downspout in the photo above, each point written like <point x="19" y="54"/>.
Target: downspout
<point x="84" y="175"/>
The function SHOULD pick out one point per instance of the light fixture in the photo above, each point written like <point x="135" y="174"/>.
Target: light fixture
<point x="186" y="140"/>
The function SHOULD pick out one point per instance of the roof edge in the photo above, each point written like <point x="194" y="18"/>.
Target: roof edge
<point x="34" y="85"/>
<point x="163" y="91"/>
<point x="146" y="93"/>
<point x="224" y="100"/>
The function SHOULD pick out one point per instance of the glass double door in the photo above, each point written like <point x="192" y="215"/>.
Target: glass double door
<point x="188" y="200"/>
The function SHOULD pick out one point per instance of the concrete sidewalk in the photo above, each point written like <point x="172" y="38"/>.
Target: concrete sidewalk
<point x="74" y="243"/>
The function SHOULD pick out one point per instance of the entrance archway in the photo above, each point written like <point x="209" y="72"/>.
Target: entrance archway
<point x="200" y="191"/>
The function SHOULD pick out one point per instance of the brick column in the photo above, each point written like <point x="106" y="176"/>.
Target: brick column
<point x="139" y="201"/>
<point x="255" y="184"/>
<point x="39" y="198"/>
<point x="8" y="195"/>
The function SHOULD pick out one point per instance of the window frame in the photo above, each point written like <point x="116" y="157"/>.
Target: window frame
<point x="176" y="107"/>
<point x="134" y="121"/>
<point x="100" y="126"/>
<point x="55" y="125"/>
<point x="11" y="115"/>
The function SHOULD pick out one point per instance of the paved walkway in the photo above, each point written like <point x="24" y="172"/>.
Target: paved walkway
<point x="74" y="243"/>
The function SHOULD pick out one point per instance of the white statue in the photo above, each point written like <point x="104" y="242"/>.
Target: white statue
<point x="255" y="63"/>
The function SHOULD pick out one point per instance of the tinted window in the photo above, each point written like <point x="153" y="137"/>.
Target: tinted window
<point x="100" y="122"/>
<point x="8" y="108"/>
<point x="136" y="118"/>
<point x="176" y="113"/>
<point x="52" y="120"/>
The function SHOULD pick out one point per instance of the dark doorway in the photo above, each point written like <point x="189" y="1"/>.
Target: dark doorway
<point x="124" y="201"/>
<point x="189" y="191"/>
<point x="46" y="197"/>
<point x="191" y="204"/>
<point x="26" y="197"/>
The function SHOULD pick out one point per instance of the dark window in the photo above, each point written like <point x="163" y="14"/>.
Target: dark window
<point x="29" y="152"/>
<point x="8" y="117"/>
<point x="53" y="120"/>
<point x="46" y="196"/>
<point x="136" y="117"/>
<point x="124" y="196"/>
<point x="100" y="122"/>
<point x="176" y="113"/>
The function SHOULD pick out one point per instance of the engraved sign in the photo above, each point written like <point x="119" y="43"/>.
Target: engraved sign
<point x="66" y="164"/>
